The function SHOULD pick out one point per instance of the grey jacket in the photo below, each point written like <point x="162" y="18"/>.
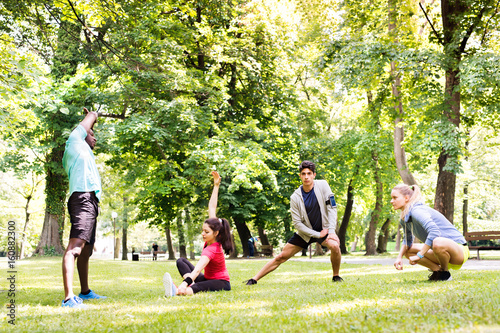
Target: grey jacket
<point x="299" y="213"/>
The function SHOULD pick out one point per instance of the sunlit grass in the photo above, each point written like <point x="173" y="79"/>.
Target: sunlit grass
<point x="298" y="297"/>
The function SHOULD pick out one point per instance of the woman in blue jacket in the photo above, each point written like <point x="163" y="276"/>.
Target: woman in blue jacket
<point x="442" y="247"/>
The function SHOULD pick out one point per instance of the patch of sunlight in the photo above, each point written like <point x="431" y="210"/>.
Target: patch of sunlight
<point x="341" y="307"/>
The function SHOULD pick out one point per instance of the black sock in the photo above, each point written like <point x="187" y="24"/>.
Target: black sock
<point x="86" y="293"/>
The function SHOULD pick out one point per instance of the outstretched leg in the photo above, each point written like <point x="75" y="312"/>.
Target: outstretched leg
<point x="288" y="251"/>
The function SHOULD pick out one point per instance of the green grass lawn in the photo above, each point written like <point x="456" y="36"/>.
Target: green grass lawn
<point x="298" y="297"/>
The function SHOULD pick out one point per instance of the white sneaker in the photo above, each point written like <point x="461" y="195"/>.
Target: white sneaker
<point x="170" y="288"/>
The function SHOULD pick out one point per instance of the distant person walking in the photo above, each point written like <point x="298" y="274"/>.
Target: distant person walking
<point x="155" y="251"/>
<point x="83" y="207"/>
<point x="443" y="245"/>
<point x="217" y="236"/>
<point x="314" y="215"/>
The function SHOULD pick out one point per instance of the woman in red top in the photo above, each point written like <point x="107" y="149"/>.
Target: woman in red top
<point x="217" y="236"/>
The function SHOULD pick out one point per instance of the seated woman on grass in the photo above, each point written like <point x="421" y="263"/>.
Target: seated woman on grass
<point x="444" y="246"/>
<point x="217" y="236"/>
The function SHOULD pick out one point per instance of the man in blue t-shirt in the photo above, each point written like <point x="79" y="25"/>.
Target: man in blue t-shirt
<point x="83" y="207"/>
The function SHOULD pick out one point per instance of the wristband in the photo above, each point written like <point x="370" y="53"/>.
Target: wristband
<point x="188" y="280"/>
<point x="419" y="255"/>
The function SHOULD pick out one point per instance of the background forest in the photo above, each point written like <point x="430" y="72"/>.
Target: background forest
<point x="376" y="93"/>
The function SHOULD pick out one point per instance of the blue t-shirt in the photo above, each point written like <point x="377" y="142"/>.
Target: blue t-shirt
<point x="312" y="209"/>
<point x="79" y="163"/>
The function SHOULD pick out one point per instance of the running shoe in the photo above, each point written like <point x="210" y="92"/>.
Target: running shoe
<point x="170" y="288"/>
<point x="434" y="276"/>
<point x="337" y="278"/>
<point x="91" y="295"/>
<point x="74" y="302"/>
<point x="444" y="276"/>
<point x="250" y="282"/>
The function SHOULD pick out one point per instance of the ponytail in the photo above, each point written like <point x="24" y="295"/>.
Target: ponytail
<point x="224" y="235"/>
<point x="413" y="191"/>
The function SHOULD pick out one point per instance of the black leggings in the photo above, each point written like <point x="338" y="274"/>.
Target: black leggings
<point x="201" y="283"/>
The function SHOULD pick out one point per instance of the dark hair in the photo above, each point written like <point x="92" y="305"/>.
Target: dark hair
<point x="224" y="235"/>
<point x="307" y="165"/>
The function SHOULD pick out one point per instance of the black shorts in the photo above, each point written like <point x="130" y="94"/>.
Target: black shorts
<point x="83" y="208"/>
<point x="299" y="241"/>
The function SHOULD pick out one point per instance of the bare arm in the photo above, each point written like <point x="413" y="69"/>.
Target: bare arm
<point x="89" y="120"/>
<point x="212" y="204"/>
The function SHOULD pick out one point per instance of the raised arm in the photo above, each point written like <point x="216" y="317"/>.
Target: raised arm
<point x="89" y="120"/>
<point x="212" y="204"/>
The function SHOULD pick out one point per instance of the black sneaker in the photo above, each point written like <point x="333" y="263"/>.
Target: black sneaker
<point x="444" y="276"/>
<point x="434" y="276"/>
<point x="250" y="282"/>
<point x="337" y="278"/>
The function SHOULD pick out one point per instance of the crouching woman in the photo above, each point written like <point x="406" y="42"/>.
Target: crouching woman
<point x="443" y="245"/>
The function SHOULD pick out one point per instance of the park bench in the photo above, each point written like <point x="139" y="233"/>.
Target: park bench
<point x="265" y="251"/>
<point x="473" y="237"/>
<point x="145" y="255"/>
<point x="148" y="255"/>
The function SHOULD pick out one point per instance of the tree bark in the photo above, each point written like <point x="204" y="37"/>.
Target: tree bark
<point x="379" y="193"/>
<point x="234" y="254"/>
<point x="399" y="151"/>
<point x="56" y="185"/>
<point x="190" y="233"/>
<point x="124" y="242"/>
<point x="244" y="234"/>
<point x="445" y="189"/>
<point x="319" y="250"/>
<point x="180" y="234"/>
<point x="347" y="215"/>
<point x="26" y="222"/>
<point x="263" y="236"/>
<point x="125" y="229"/>
<point x="171" y="253"/>
<point x="383" y="237"/>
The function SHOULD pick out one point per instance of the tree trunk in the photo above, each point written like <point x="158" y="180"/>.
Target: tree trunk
<point x="263" y="236"/>
<point x="371" y="248"/>
<point x="452" y="12"/>
<point x="383" y="237"/>
<point x="171" y="254"/>
<point x="56" y="186"/>
<point x="379" y="193"/>
<point x="124" y="242"/>
<point x="117" y="247"/>
<point x="190" y="233"/>
<point x="398" y="239"/>
<point x="347" y="215"/>
<point x="27" y="220"/>
<point x="445" y="189"/>
<point x="399" y="151"/>
<point x="125" y="229"/>
<point x="180" y="234"/>
<point x="319" y="250"/>
<point x="354" y="244"/>
<point x="244" y="234"/>
<point x="234" y="254"/>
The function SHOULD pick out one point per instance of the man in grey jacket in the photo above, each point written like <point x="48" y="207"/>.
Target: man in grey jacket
<point x="314" y="215"/>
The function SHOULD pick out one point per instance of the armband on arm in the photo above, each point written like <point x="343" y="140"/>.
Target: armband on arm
<point x="331" y="201"/>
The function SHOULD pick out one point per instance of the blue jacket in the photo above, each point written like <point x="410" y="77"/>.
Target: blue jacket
<point x="426" y="224"/>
